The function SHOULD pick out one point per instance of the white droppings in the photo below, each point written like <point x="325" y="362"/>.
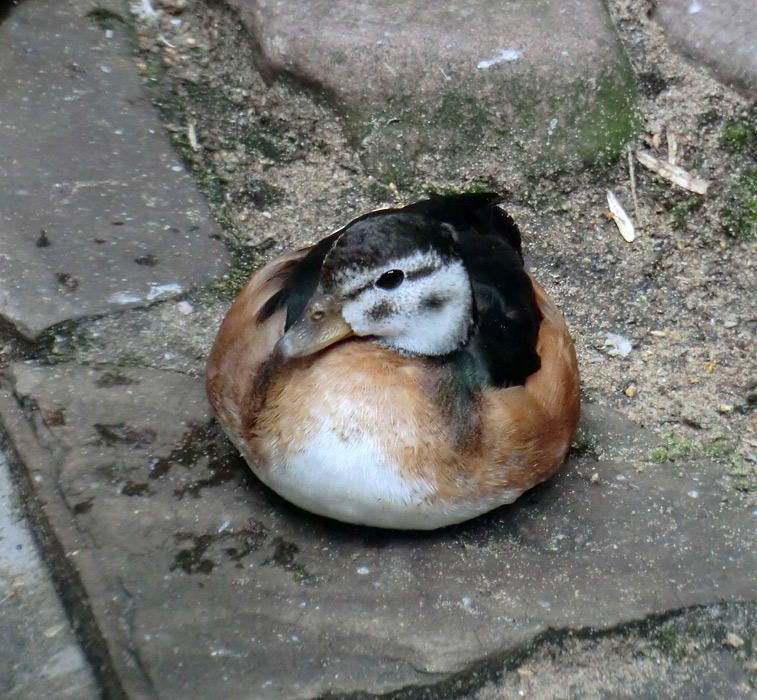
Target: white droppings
<point x="695" y="8"/>
<point x="185" y="308"/>
<point x="105" y="69"/>
<point x="109" y="33"/>
<point x="124" y="298"/>
<point x="158" y="290"/>
<point x="363" y="570"/>
<point x="143" y="10"/>
<point x="693" y="493"/>
<point x="503" y="55"/>
<point x="224" y="525"/>
<point x="177" y="168"/>
<point x="617" y="344"/>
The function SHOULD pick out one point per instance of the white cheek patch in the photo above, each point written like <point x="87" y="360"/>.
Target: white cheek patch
<point x="428" y="314"/>
<point x="438" y="327"/>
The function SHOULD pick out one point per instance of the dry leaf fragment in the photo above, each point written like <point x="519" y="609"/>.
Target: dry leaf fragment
<point x="672" y="148"/>
<point x="622" y="220"/>
<point x="192" y="136"/>
<point x="672" y="173"/>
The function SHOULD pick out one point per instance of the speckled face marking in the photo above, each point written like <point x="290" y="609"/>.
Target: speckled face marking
<point x="434" y="302"/>
<point x="381" y="311"/>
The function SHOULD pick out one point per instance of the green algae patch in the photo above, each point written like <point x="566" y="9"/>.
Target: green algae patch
<point x="739" y="216"/>
<point x="611" y="120"/>
<point x="578" y="125"/>
<point x="739" y="136"/>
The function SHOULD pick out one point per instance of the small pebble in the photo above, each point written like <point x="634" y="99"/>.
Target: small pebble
<point x="733" y="640"/>
<point x="523" y="671"/>
<point x="50" y="632"/>
<point x="185" y="308"/>
<point x="595" y="478"/>
<point x="631" y="391"/>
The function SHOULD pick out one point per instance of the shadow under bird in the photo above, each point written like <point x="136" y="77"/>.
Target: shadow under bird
<point x="404" y="372"/>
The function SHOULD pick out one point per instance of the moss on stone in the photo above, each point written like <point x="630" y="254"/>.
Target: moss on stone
<point x="611" y="121"/>
<point x="738" y="136"/>
<point x="229" y="286"/>
<point x="464" y="130"/>
<point x="474" y="187"/>
<point x="105" y="18"/>
<point x="739" y="216"/>
<point x="673" y="448"/>
<point x="681" y="212"/>
<point x="671" y="643"/>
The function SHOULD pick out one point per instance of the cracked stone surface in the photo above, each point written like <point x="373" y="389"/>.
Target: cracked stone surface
<point x="539" y="82"/>
<point x="201" y="582"/>
<point x="720" y="34"/>
<point x="41" y="657"/>
<point x="95" y="211"/>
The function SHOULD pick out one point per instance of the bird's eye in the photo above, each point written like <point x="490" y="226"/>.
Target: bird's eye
<point x="390" y="280"/>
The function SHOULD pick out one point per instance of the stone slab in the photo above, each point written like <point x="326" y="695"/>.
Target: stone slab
<point x="465" y="82"/>
<point x="96" y="211"/>
<point x="199" y="582"/>
<point x="40" y="655"/>
<point x="719" y="34"/>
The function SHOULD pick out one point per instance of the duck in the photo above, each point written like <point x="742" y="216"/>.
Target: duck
<point x="404" y="372"/>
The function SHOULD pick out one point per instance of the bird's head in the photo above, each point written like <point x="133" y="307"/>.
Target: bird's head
<point x="396" y="277"/>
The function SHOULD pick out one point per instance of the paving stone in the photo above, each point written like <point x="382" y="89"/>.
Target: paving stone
<point x="719" y="34"/>
<point x="202" y="583"/>
<point x="96" y="212"/>
<point x="40" y="655"/>
<point x="465" y="82"/>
